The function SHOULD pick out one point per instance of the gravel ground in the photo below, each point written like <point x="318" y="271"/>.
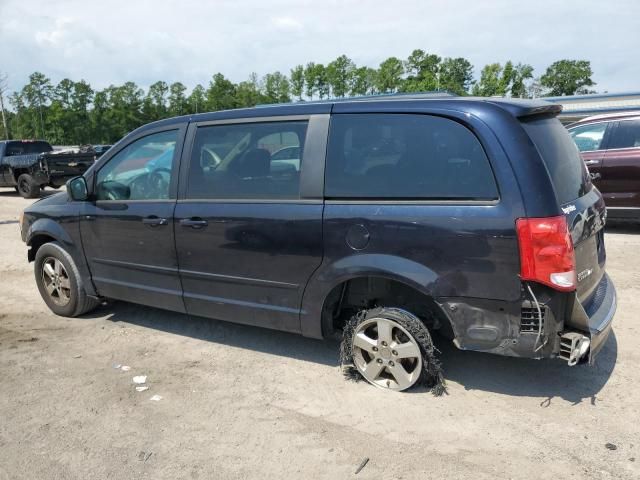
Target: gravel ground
<point x="242" y="402"/>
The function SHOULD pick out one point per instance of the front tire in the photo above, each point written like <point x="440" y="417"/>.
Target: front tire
<point x="391" y="349"/>
<point x="27" y="186"/>
<point x="60" y="283"/>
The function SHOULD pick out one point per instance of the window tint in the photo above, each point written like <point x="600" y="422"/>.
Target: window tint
<point x="405" y="156"/>
<point x="141" y="171"/>
<point x="626" y="135"/>
<point x="26" y="148"/>
<point x="588" y="137"/>
<point x="251" y="160"/>
<point x="561" y="157"/>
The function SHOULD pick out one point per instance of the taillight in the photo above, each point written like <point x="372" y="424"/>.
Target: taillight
<point x="546" y="252"/>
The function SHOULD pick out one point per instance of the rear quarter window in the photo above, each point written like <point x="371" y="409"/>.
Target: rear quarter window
<point x="406" y="156"/>
<point x="561" y="157"/>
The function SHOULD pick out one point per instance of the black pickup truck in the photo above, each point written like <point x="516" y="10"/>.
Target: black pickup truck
<point x="29" y="166"/>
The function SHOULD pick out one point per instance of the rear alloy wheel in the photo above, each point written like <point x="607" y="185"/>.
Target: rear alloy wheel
<point x="391" y="349"/>
<point x="386" y="354"/>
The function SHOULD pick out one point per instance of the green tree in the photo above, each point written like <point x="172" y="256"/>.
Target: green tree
<point x="177" y="99"/>
<point x="155" y="103"/>
<point x="456" y="75"/>
<point x="297" y="81"/>
<point x="522" y="73"/>
<point x="494" y="80"/>
<point x="389" y="76"/>
<point x="99" y="126"/>
<point x="315" y="77"/>
<point x="568" y="77"/>
<point x="37" y="94"/>
<point x="197" y="100"/>
<point x="248" y="92"/>
<point x="276" y="88"/>
<point x="221" y="94"/>
<point x="422" y="72"/>
<point x="363" y="81"/>
<point x="339" y="75"/>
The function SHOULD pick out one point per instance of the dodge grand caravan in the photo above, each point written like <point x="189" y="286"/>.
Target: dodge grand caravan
<point x="386" y="219"/>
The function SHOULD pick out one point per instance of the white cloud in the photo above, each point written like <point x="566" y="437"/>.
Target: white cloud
<point x="287" y="23"/>
<point x="109" y="42"/>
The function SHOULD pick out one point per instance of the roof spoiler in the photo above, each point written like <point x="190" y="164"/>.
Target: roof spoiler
<point x="526" y="109"/>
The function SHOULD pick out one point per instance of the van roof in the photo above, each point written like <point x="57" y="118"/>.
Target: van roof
<point x="517" y="107"/>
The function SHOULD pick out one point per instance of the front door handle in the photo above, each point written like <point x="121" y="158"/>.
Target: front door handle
<point x="591" y="162"/>
<point x="154" y="221"/>
<point x="194" y="222"/>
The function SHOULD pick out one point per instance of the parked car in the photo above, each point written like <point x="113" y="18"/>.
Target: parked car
<point x="408" y="216"/>
<point x="29" y="166"/>
<point x="610" y="146"/>
<point x="100" y="149"/>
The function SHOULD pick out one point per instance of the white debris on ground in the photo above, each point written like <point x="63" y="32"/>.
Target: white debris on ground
<point x="156" y="398"/>
<point x="140" y="379"/>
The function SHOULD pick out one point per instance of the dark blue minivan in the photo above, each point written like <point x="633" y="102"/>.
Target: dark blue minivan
<point x="377" y="220"/>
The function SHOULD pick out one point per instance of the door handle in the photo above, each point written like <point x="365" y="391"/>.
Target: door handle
<point x="591" y="162"/>
<point x="154" y="221"/>
<point x="194" y="222"/>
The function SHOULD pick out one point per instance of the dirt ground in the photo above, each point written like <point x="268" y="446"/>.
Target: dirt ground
<point x="241" y="402"/>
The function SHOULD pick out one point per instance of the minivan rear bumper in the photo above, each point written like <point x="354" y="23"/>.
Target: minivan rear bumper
<point x="601" y="312"/>
<point x="597" y="315"/>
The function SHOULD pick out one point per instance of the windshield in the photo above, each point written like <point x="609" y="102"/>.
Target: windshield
<point x="26" y="148"/>
<point x="561" y="157"/>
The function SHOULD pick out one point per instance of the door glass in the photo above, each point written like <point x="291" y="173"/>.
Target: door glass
<point x="247" y="161"/>
<point x="141" y="171"/>
<point x="626" y="135"/>
<point x="588" y="137"/>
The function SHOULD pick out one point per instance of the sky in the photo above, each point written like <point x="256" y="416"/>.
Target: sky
<point x="112" y="41"/>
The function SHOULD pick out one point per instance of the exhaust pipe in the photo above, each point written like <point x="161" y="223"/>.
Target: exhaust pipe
<point x="573" y="347"/>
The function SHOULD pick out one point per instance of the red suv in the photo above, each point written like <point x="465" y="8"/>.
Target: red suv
<point x="610" y="147"/>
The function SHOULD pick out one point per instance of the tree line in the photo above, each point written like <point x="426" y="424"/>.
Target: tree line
<point x="72" y="112"/>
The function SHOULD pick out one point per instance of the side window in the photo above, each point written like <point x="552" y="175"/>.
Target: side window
<point x="141" y="171"/>
<point x="380" y="156"/>
<point x="247" y="161"/>
<point x="589" y="137"/>
<point x="626" y="135"/>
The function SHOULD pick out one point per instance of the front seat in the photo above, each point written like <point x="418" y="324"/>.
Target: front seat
<point x="253" y="164"/>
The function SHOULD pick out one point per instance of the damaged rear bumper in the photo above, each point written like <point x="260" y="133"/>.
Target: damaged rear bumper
<point x="596" y="318"/>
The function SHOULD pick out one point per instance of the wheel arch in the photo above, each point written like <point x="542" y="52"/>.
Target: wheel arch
<point x="399" y="272"/>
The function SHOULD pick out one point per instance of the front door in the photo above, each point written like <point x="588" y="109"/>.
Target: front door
<point x="621" y="167"/>
<point x="127" y="230"/>
<point x="248" y="229"/>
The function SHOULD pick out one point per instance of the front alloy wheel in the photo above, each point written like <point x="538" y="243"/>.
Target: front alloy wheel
<point x="56" y="281"/>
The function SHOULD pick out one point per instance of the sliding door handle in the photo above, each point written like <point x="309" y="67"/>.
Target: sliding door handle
<point x="194" y="222"/>
<point x="154" y="221"/>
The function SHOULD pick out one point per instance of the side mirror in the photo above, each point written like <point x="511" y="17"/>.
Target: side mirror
<point x="77" y="189"/>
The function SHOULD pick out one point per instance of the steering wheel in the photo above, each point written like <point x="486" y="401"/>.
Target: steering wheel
<point x="152" y="185"/>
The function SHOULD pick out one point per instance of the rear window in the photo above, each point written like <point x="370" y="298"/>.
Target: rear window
<point x="405" y="156"/>
<point x="561" y="156"/>
<point x="26" y="148"/>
